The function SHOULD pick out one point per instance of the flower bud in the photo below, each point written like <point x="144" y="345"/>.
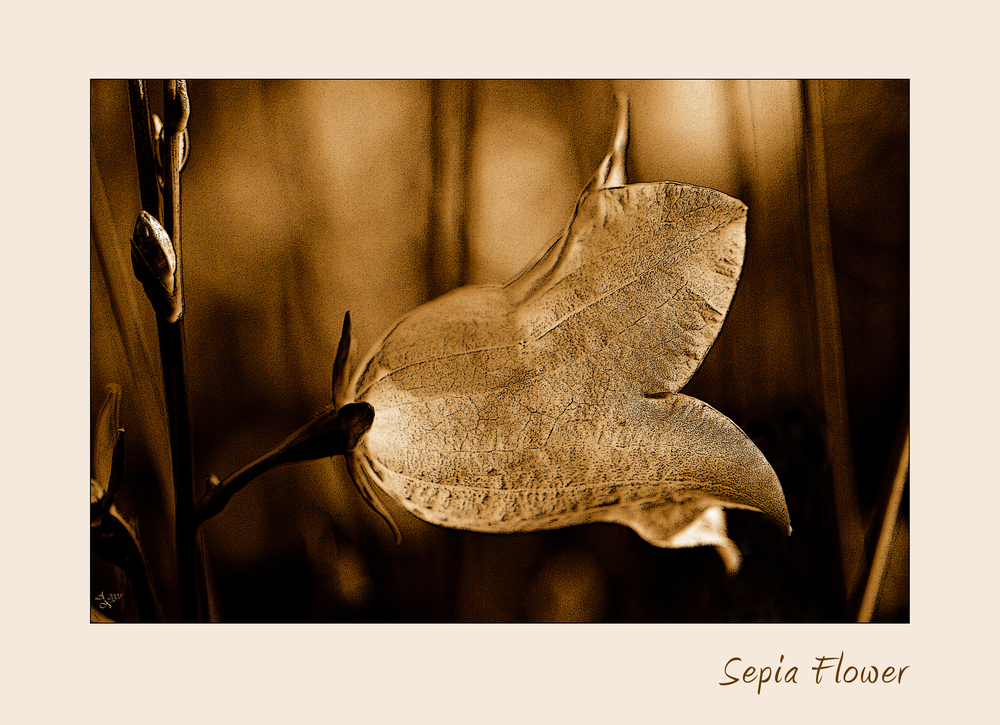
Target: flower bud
<point x="155" y="265"/>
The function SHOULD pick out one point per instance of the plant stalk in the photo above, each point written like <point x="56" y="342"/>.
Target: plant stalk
<point x="333" y="432"/>
<point x="831" y="352"/>
<point x="171" y="331"/>
<point x="452" y="112"/>
<point x="191" y="583"/>
<point x="142" y="134"/>
<point x="887" y="531"/>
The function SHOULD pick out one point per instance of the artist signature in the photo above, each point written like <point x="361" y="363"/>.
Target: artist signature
<point x="107" y="601"/>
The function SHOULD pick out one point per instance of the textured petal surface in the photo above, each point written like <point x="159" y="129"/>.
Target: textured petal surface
<point x="552" y="400"/>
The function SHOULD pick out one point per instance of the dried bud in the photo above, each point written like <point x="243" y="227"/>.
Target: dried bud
<point x="155" y="265"/>
<point x="178" y="105"/>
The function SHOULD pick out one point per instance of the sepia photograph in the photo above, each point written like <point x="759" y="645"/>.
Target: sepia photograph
<point x="500" y="351"/>
<point x="534" y="362"/>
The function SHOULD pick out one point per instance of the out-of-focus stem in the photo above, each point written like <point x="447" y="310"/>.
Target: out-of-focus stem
<point x="451" y="121"/>
<point x="830" y="347"/>
<point x="886" y="533"/>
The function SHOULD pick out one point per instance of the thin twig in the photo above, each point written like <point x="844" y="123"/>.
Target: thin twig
<point x="142" y="135"/>
<point x="170" y="329"/>
<point x="176" y="110"/>
<point x="332" y="432"/>
<point x="881" y="558"/>
<point x="830" y="346"/>
<point x="193" y="594"/>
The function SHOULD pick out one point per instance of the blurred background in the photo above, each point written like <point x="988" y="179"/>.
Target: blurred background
<point x="306" y="199"/>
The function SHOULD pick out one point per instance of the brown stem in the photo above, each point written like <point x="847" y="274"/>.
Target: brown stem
<point x="887" y="531"/>
<point x="881" y="527"/>
<point x="331" y="433"/>
<point x="451" y="134"/>
<point x="830" y="347"/>
<point x="191" y="584"/>
<point x="142" y="136"/>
